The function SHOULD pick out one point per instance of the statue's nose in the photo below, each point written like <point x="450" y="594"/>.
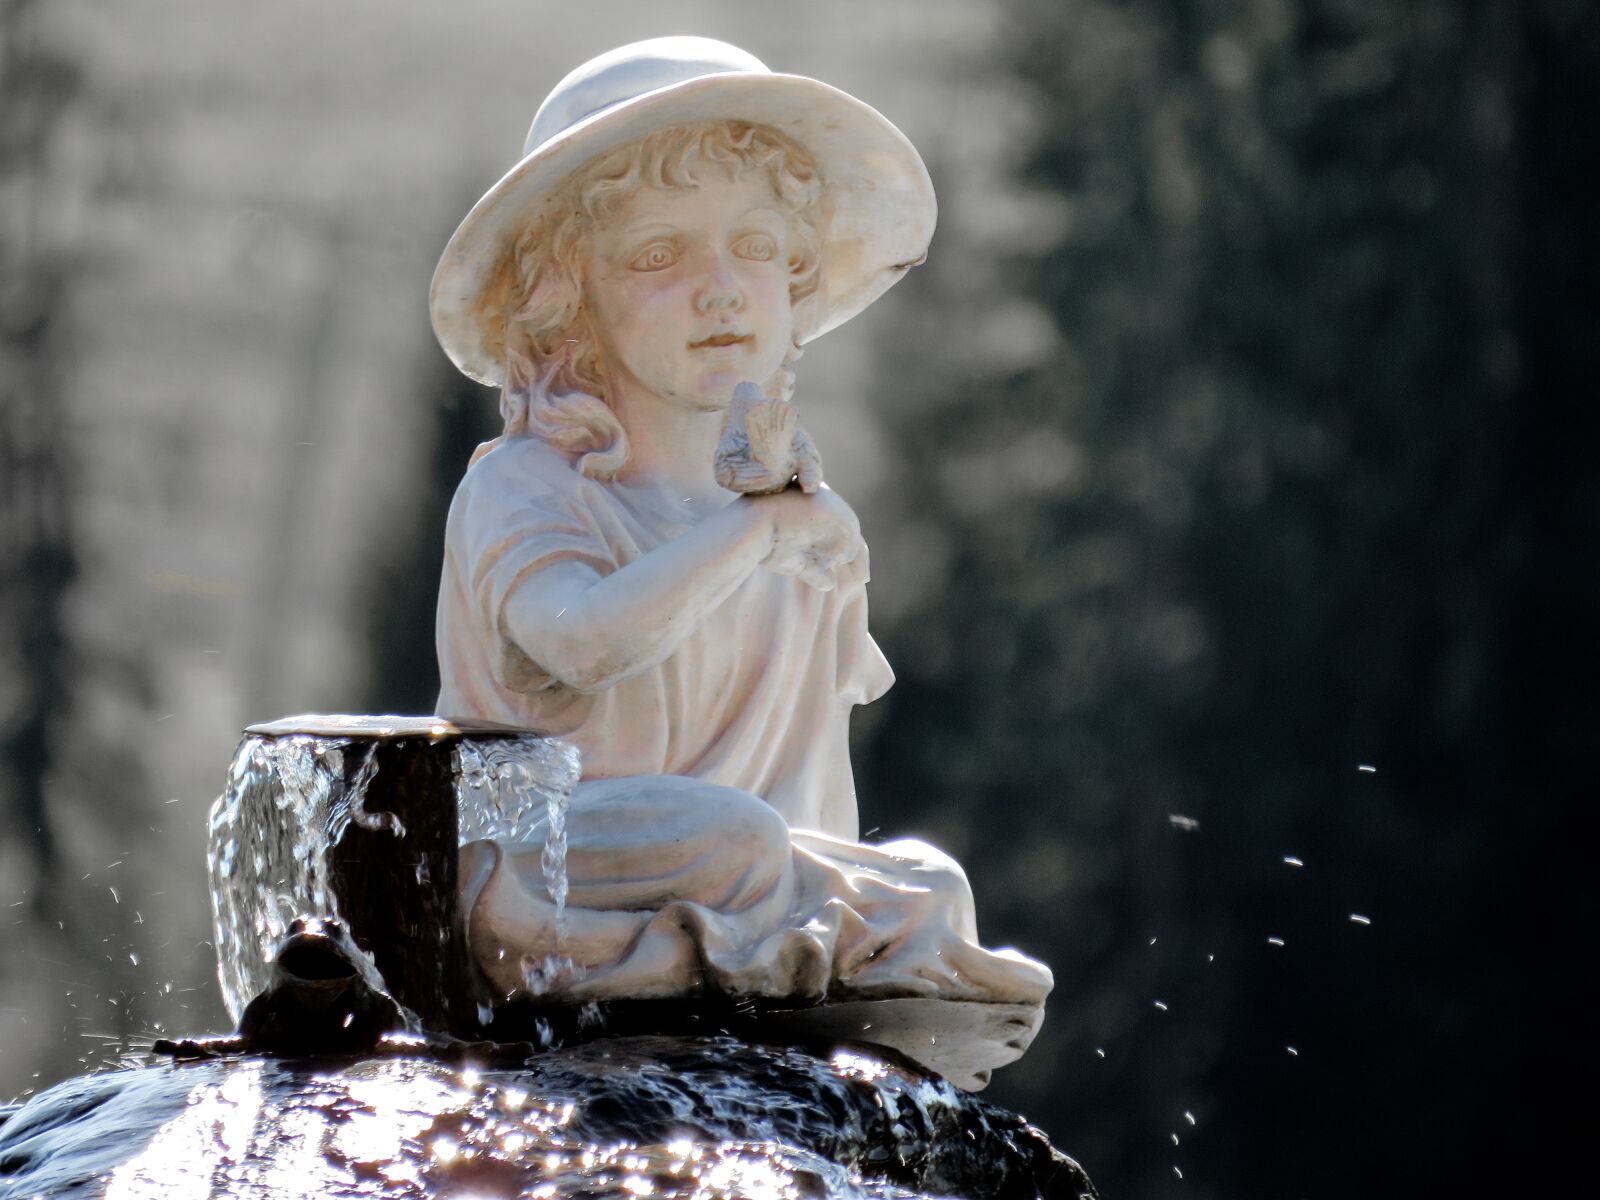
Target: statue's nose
<point x="719" y="290"/>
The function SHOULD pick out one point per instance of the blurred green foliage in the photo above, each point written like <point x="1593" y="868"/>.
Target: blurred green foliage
<point x="1294" y="480"/>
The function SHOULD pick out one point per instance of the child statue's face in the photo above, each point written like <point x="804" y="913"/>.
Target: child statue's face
<point x="689" y="291"/>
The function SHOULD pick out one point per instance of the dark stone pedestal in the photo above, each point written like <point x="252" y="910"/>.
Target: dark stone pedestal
<point x="615" y="1117"/>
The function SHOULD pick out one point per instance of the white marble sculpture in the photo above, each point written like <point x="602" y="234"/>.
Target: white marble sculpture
<point x="630" y="567"/>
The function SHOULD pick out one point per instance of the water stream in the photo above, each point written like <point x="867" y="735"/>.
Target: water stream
<point x="287" y="802"/>
<point x="504" y="787"/>
<point x="265" y="873"/>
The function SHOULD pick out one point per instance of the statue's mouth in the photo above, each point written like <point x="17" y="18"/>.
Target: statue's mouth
<point x="720" y="340"/>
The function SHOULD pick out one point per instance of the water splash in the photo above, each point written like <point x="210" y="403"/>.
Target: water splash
<point x="547" y="973"/>
<point x="268" y="869"/>
<point x="677" y="1119"/>
<point x="352" y="801"/>
<point x="554" y="859"/>
<point x="505" y="788"/>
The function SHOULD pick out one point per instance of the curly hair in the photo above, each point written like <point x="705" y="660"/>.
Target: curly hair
<point x="554" y="385"/>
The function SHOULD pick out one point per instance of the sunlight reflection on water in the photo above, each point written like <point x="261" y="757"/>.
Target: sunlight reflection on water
<point x="380" y="1128"/>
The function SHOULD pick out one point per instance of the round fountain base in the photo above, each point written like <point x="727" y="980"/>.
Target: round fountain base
<point x="623" y="1116"/>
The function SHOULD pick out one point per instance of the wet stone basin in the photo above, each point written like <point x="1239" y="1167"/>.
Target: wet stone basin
<point x="618" y="1117"/>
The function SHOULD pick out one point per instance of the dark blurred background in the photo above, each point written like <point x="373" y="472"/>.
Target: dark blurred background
<point x="1226" y="468"/>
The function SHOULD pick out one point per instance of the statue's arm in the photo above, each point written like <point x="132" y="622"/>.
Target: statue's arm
<point x="590" y="631"/>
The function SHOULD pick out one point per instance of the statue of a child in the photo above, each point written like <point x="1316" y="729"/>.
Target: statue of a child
<point x="682" y="221"/>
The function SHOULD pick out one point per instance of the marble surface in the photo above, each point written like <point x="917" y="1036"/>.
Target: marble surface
<point x="640" y="284"/>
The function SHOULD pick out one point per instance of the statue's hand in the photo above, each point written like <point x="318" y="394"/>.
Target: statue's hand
<point x="814" y="534"/>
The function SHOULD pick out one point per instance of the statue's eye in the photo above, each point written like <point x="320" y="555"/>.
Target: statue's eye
<point x="757" y="247"/>
<point x="657" y="256"/>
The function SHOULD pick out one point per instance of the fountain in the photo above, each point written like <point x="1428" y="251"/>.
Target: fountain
<point x="604" y="926"/>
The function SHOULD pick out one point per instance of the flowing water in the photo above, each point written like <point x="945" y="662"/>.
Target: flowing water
<point x="504" y="787"/>
<point x="266" y="872"/>
<point x="619" y="1119"/>
<point x="289" y="800"/>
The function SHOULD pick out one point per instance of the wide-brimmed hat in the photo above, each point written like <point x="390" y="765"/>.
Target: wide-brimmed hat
<point x="879" y="213"/>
